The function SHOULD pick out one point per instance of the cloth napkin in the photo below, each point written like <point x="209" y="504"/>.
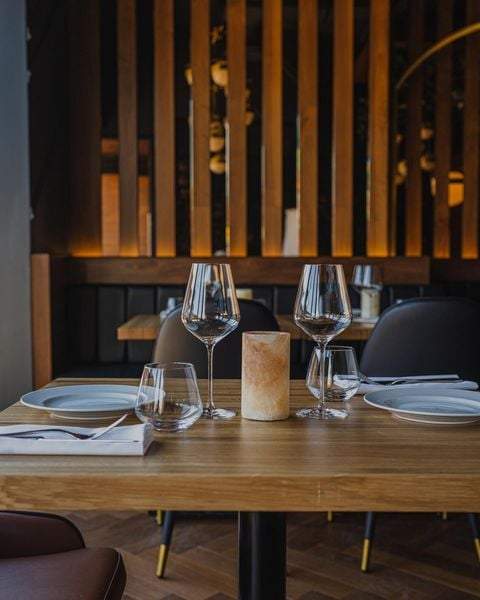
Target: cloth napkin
<point x="461" y="384"/>
<point x="129" y="440"/>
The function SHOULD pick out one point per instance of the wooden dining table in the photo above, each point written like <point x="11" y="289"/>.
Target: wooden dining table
<point x="146" y="328"/>
<point x="262" y="470"/>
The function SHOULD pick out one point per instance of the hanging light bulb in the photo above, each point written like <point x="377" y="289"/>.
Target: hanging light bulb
<point x="217" y="164"/>
<point x="219" y="72"/>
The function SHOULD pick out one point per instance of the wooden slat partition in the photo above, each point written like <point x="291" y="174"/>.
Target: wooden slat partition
<point x="272" y="142"/>
<point x="110" y="214"/>
<point x="378" y="130"/>
<point x="236" y="210"/>
<point x="443" y="135"/>
<point x="41" y="320"/>
<point x="164" y="127"/>
<point x="144" y="217"/>
<point x="84" y="128"/>
<point x="471" y="146"/>
<point x="342" y="158"/>
<point x="200" y="184"/>
<point x="307" y="200"/>
<point x="413" y="216"/>
<point x="127" y="125"/>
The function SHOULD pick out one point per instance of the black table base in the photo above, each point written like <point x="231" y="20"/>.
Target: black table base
<point x="261" y="556"/>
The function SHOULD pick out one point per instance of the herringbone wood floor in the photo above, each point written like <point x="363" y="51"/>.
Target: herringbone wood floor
<point x="414" y="556"/>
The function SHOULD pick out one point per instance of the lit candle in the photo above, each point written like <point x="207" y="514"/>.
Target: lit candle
<point x="265" y="375"/>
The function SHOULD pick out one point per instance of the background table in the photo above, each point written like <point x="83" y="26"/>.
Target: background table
<point x="369" y="461"/>
<point x="146" y="327"/>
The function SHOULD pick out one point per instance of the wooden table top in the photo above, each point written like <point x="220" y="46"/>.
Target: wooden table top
<point x="369" y="461"/>
<point x="146" y="327"/>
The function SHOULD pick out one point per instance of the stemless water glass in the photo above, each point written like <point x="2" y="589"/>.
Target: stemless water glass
<point x="322" y="310"/>
<point x="168" y="396"/>
<point x="342" y="377"/>
<point x="210" y="312"/>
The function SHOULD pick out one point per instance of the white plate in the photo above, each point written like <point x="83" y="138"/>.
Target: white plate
<point x="435" y="406"/>
<point x="85" y="402"/>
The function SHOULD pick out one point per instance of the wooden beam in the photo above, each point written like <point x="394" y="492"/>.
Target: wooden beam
<point x="200" y="184"/>
<point x="414" y="196"/>
<point x="84" y="128"/>
<point x="41" y="320"/>
<point x="110" y="215"/>
<point x="307" y="175"/>
<point x="342" y="147"/>
<point x="236" y="216"/>
<point x="272" y="143"/>
<point x="127" y="125"/>
<point x="164" y="127"/>
<point x="471" y="145"/>
<point x="378" y="130"/>
<point x="144" y="217"/>
<point x="443" y="135"/>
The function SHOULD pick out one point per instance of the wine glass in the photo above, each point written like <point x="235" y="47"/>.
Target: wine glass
<point x="210" y="312"/>
<point x="322" y="310"/>
<point x="342" y="377"/>
<point x="367" y="277"/>
<point x="168" y="396"/>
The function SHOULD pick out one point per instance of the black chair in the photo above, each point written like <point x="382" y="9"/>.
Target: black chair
<point x="424" y="336"/>
<point x="175" y="343"/>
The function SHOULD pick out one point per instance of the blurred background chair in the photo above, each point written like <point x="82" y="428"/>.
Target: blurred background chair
<point x="424" y="336"/>
<point x="43" y="556"/>
<point x="175" y="343"/>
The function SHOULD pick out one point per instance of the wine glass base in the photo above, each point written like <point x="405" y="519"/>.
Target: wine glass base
<point x="217" y="413"/>
<point x="322" y="414"/>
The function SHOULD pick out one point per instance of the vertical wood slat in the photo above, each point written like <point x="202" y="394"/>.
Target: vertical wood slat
<point x="413" y="216"/>
<point x="110" y="215"/>
<point x="144" y="217"/>
<point x="378" y="130"/>
<point x="127" y="125"/>
<point x="85" y="128"/>
<point x="443" y="141"/>
<point x="164" y="127"/>
<point x="236" y="216"/>
<point x="307" y="200"/>
<point x="471" y="146"/>
<point x="342" y="146"/>
<point x="200" y="184"/>
<point x="41" y="320"/>
<point x="272" y="143"/>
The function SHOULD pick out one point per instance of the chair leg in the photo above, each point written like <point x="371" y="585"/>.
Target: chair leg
<point x="167" y="530"/>
<point x="476" y="535"/>
<point x="367" y="540"/>
<point x="330" y="516"/>
<point x="159" y="517"/>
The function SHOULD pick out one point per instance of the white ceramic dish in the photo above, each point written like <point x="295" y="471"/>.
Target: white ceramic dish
<point x="433" y="406"/>
<point x="85" y="402"/>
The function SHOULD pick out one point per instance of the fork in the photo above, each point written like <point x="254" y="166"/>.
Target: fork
<point x="74" y="434"/>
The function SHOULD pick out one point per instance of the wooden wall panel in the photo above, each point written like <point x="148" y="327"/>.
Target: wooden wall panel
<point x="413" y="216"/>
<point x="41" y="320"/>
<point x="144" y="217"/>
<point x="443" y="136"/>
<point x="378" y="130"/>
<point x="272" y="142"/>
<point x="127" y="125"/>
<point x="84" y="128"/>
<point x="164" y="127"/>
<point x="236" y="217"/>
<point x="200" y="184"/>
<point x="471" y="146"/>
<point x="110" y="214"/>
<point x="307" y="201"/>
<point x="342" y="146"/>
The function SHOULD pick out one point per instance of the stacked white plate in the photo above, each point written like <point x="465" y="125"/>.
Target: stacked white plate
<point x="434" y="406"/>
<point x="85" y="402"/>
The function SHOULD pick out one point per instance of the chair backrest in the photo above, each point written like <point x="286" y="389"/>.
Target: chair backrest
<point x="426" y="336"/>
<point x="175" y="343"/>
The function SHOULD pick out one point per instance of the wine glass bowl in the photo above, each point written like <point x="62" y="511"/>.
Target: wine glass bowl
<point x="210" y="312"/>
<point x="367" y="277"/>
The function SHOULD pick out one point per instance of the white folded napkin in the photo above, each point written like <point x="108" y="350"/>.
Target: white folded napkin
<point x="440" y="380"/>
<point x="129" y="440"/>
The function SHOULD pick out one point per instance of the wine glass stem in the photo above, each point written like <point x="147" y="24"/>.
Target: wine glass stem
<point x="321" y="376"/>
<point x="211" y="405"/>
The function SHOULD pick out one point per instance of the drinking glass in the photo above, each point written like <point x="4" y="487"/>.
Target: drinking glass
<point x="322" y="310"/>
<point x="168" y="396"/>
<point x="210" y="312"/>
<point x="342" y="377"/>
<point x="367" y="277"/>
